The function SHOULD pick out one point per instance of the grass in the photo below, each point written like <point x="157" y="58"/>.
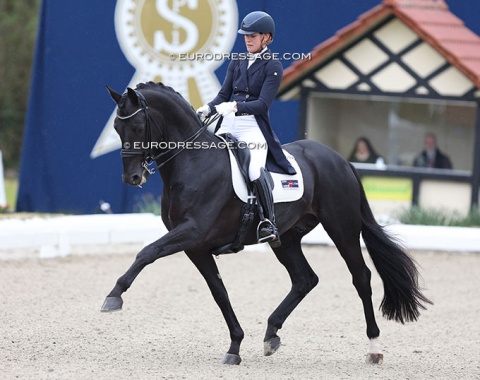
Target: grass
<point x="149" y="204"/>
<point x="11" y="189"/>
<point x="433" y="217"/>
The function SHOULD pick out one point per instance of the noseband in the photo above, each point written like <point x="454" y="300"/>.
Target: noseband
<point x="149" y="158"/>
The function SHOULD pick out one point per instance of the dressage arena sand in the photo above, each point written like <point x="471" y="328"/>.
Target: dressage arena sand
<point x="170" y="327"/>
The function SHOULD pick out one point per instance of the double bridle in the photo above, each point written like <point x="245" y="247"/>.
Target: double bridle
<point x="149" y="158"/>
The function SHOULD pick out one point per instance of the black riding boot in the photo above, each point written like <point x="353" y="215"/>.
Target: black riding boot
<point x="266" y="231"/>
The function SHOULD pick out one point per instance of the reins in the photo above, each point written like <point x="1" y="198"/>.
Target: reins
<point x="148" y="157"/>
<point x="205" y="124"/>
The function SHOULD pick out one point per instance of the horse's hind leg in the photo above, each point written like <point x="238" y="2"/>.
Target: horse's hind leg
<point x="361" y="276"/>
<point x="345" y="233"/>
<point x="206" y="265"/>
<point x="303" y="280"/>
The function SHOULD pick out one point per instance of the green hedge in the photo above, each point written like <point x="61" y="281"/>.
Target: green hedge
<point x="432" y="217"/>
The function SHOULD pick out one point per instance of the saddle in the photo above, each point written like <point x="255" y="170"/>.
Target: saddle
<point x="242" y="157"/>
<point x="286" y="188"/>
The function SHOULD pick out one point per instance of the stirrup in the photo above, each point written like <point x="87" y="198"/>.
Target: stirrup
<point x="267" y="239"/>
<point x="269" y="228"/>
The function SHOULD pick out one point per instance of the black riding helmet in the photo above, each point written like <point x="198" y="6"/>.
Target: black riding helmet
<point x="257" y="22"/>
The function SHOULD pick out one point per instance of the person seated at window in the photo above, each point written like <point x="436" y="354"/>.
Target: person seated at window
<point x="431" y="156"/>
<point x="363" y="152"/>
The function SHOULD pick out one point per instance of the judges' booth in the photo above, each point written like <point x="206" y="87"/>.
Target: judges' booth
<point x="403" y="69"/>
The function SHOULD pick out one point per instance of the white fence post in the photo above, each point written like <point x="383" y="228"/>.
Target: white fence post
<point x="3" y="198"/>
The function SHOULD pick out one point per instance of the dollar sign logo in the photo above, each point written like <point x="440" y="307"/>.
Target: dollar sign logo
<point x="151" y="31"/>
<point x="178" y="21"/>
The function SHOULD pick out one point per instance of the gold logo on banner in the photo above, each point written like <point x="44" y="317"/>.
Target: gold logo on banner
<point x="162" y="40"/>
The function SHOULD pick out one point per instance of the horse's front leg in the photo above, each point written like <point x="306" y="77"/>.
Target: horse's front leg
<point x="178" y="239"/>
<point x="206" y="265"/>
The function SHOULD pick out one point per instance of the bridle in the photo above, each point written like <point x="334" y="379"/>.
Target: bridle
<point x="149" y="157"/>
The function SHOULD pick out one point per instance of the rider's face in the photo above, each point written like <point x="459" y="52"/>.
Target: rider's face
<point x="255" y="42"/>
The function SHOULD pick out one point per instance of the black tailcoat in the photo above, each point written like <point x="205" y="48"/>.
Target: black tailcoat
<point x="254" y="90"/>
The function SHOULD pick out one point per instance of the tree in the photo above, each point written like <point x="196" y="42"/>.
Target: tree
<point x="18" y="30"/>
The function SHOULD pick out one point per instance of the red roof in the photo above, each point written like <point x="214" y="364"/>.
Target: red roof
<point x="431" y="20"/>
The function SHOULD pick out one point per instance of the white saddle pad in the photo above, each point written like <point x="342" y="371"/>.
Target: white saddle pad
<point x="287" y="188"/>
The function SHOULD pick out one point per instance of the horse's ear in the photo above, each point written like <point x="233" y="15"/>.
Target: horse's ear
<point x="115" y="95"/>
<point x="132" y="94"/>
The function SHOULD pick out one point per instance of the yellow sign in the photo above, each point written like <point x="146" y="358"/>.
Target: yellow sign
<point x="381" y="188"/>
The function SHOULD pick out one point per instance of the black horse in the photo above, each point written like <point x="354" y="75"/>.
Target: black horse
<point x="201" y="212"/>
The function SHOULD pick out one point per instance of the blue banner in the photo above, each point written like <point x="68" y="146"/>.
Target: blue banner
<point x="70" y="158"/>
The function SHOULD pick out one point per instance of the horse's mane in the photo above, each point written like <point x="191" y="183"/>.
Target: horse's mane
<point x="159" y="86"/>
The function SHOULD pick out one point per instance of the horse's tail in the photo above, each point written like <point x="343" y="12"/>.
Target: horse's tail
<point x="402" y="298"/>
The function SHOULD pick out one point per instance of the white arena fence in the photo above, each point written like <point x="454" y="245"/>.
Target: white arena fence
<point x="60" y="235"/>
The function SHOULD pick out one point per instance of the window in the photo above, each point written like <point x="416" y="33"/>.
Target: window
<point x="395" y="126"/>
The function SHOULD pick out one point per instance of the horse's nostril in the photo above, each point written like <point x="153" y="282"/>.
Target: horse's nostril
<point x="136" y="179"/>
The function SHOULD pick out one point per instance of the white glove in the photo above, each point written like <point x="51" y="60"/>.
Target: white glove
<point x="204" y="111"/>
<point x="225" y="108"/>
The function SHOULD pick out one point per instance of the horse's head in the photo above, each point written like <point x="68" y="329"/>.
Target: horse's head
<point x="147" y="130"/>
<point x="133" y="126"/>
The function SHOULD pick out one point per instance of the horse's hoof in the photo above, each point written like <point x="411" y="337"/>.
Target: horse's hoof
<point x="374" y="358"/>
<point x="231" y="359"/>
<point x="271" y="346"/>
<point x="112" y="304"/>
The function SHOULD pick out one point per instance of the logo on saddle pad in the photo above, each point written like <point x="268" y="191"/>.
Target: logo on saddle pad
<point x="154" y="33"/>
<point x="289" y="184"/>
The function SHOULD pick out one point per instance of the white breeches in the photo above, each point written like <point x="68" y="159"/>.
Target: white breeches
<point x="246" y="129"/>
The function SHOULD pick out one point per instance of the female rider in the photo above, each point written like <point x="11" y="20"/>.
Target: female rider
<point x="243" y="101"/>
